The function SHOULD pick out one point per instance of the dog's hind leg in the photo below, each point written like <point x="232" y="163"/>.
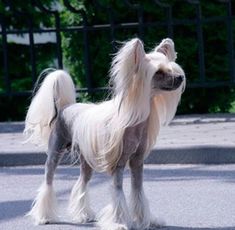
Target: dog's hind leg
<point x="79" y="206"/>
<point x="44" y="208"/>
<point x="139" y="206"/>
<point x="116" y="215"/>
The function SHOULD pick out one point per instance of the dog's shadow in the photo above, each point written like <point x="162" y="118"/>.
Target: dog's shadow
<point x="92" y="225"/>
<point x="88" y="225"/>
<point x="192" y="228"/>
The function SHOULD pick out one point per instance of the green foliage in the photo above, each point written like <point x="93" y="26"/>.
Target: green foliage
<point x="199" y="100"/>
<point x="19" y="16"/>
<point x="101" y="47"/>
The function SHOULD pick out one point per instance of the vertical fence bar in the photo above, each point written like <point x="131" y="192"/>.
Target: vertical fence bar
<point x="86" y="60"/>
<point x="139" y="10"/>
<point x="110" y="13"/>
<point x="201" y="56"/>
<point x="112" y="27"/>
<point x="169" y="22"/>
<point x="6" y="75"/>
<point x="58" y="41"/>
<point x="42" y="8"/>
<point x="141" y="21"/>
<point x="230" y="45"/>
<point x="168" y="9"/>
<point x="32" y="52"/>
<point x="24" y="15"/>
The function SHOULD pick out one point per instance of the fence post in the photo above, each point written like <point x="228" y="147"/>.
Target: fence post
<point x="168" y="9"/>
<point x="139" y="10"/>
<point x="87" y="62"/>
<point x="230" y="46"/>
<point x="200" y="40"/>
<point x="42" y="8"/>
<point x="5" y="56"/>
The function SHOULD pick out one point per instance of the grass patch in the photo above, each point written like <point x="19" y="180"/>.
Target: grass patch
<point x="232" y="109"/>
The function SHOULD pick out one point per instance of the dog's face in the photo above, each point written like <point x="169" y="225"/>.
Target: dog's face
<point x="156" y="71"/>
<point x="167" y="74"/>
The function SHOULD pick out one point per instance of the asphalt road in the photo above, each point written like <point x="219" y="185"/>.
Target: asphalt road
<point x="196" y="197"/>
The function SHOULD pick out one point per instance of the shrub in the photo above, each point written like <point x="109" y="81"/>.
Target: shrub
<point x="101" y="47"/>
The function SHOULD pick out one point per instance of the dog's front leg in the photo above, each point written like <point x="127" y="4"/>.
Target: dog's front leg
<point x="140" y="211"/>
<point x="116" y="215"/>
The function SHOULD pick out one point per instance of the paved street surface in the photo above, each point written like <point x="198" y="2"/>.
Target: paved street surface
<point x="186" y="192"/>
<point x="196" y="197"/>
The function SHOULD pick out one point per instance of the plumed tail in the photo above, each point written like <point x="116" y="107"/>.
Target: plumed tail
<point x="56" y="91"/>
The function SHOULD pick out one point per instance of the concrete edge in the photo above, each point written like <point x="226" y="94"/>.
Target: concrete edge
<point x="186" y="155"/>
<point x="24" y="159"/>
<point x="193" y="155"/>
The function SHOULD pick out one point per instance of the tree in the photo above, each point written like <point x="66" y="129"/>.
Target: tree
<point x="100" y="46"/>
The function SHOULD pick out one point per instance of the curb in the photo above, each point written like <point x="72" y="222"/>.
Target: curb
<point x="26" y="159"/>
<point x="193" y="155"/>
<point x="190" y="155"/>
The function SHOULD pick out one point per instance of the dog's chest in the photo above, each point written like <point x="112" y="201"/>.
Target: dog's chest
<point x="134" y="137"/>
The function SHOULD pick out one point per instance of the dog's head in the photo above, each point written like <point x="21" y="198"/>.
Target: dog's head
<point x="132" y="65"/>
<point x="140" y="78"/>
<point x="167" y="74"/>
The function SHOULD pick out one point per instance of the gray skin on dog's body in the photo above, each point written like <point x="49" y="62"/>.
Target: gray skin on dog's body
<point x="108" y="135"/>
<point x="60" y="142"/>
<point x="134" y="142"/>
<point x="134" y="145"/>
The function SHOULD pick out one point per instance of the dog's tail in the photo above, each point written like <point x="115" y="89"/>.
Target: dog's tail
<point x="56" y="91"/>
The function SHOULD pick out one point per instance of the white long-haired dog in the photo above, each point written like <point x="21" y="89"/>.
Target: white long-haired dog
<point x="146" y="91"/>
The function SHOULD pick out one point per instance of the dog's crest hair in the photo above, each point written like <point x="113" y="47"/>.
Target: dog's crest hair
<point x="104" y="124"/>
<point x="102" y="127"/>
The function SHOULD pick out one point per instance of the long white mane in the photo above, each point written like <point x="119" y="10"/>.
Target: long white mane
<point x="99" y="130"/>
<point x="104" y="124"/>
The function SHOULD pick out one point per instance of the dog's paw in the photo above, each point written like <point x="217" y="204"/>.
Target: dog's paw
<point x="151" y="224"/>
<point x="84" y="217"/>
<point x="121" y="227"/>
<point x="40" y="220"/>
<point x="44" y="208"/>
<point x="114" y="218"/>
<point x="156" y="223"/>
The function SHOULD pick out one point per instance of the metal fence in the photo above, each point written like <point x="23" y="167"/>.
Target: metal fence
<point x="168" y="23"/>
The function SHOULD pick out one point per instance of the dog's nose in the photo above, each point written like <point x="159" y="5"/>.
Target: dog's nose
<point x="180" y="78"/>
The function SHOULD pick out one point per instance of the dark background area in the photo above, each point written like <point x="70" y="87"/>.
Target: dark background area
<point x="81" y="36"/>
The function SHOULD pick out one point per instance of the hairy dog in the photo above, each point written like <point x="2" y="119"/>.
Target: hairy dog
<point x="146" y="91"/>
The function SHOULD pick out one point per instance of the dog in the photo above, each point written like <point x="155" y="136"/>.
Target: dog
<point x="107" y="136"/>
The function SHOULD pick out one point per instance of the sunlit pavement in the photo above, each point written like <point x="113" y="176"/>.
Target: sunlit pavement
<point x="189" y="178"/>
<point x="184" y="196"/>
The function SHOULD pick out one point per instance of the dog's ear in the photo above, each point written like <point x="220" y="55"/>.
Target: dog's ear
<point x="130" y="56"/>
<point x="138" y="52"/>
<point x="126" y="65"/>
<point x="167" y="47"/>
